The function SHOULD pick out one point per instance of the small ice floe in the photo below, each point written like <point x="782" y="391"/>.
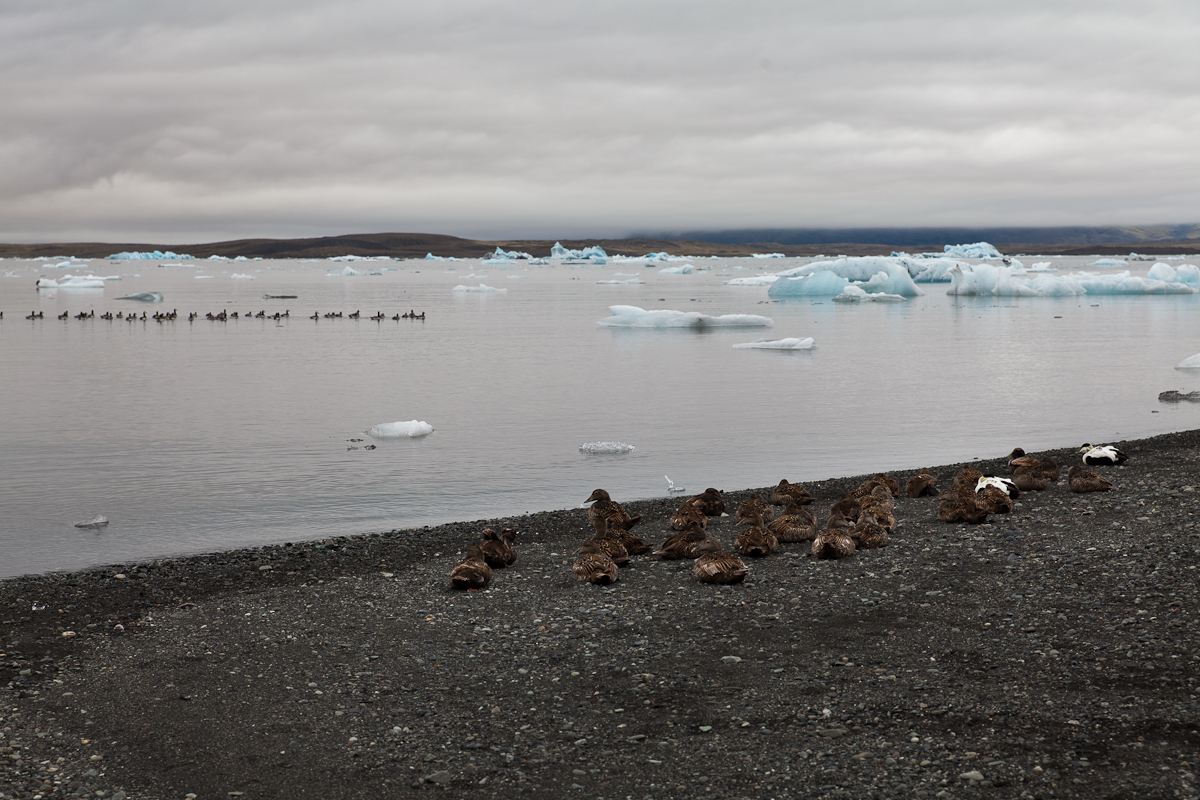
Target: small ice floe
<point x="482" y="288"/>
<point x="605" y="448"/>
<point x="97" y="521"/>
<point x="626" y="282"/>
<point x="343" y="272"/>
<point x="71" y="282"/>
<point x="767" y="255"/>
<point x="793" y="343"/>
<point x="672" y="488"/>
<point x="682" y="269"/>
<point x="1191" y="362"/>
<point x="855" y="294"/>
<point x="474" y="277"/>
<point x="144" y="297"/>
<point x="755" y="280"/>
<point x="634" y="317"/>
<point x="238" y="276"/>
<point x="391" y="430"/>
<point x="1108" y="262"/>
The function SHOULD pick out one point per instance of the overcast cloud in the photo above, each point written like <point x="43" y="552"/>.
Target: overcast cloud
<point x="138" y="120"/>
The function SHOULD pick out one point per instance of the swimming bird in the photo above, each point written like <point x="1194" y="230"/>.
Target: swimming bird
<point x="784" y="490"/>
<point x="593" y="565"/>
<point x="1084" y="480"/>
<point x="714" y="565"/>
<point x="1094" y="455"/>
<point x="472" y="572"/>
<point x="614" y="512"/>
<point x="497" y="547"/>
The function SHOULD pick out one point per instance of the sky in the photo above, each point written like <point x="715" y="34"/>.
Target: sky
<point x="145" y="121"/>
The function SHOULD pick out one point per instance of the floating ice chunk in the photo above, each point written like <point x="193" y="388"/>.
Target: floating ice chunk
<point x="682" y="269"/>
<point x="515" y="277"/>
<point x="626" y="274"/>
<point x="432" y="257"/>
<point x="98" y="521"/>
<point x="855" y="294"/>
<point x="155" y="255"/>
<point x="71" y="282"/>
<point x="1187" y="274"/>
<point x="754" y="280"/>
<point x="1000" y="281"/>
<point x="1191" y="362"/>
<point x="976" y="250"/>
<point x="767" y="255"/>
<point x="778" y="344"/>
<point x="896" y="280"/>
<point x="501" y="253"/>
<point x="144" y="297"/>
<point x="594" y="255"/>
<point x="226" y="258"/>
<point x="817" y="284"/>
<point x="237" y="276"/>
<point x="1108" y="262"/>
<point x="352" y="257"/>
<point x="482" y="288"/>
<point x="634" y="317"/>
<point x="605" y="448"/>
<point x="627" y="282"/>
<point x="496" y="262"/>
<point x="473" y="276"/>
<point x="390" y="430"/>
<point x="1043" y="266"/>
<point x="204" y="277"/>
<point x="343" y="272"/>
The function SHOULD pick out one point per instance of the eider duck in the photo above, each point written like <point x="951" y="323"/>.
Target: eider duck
<point x="682" y="545"/>
<point x="604" y="506"/>
<point x="710" y="501"/>
<point x="687" y="515"/>
<point x="749" y="511"/>
<point x="993" y="500"/>
<point x="756" y="541"/>
<point x="1084" y="480"/>
<point x="868" y="534"/>
<point x="833" y="543"/>
<point x="1029" y="482"/>
<point x="472" y="572"/>
<point x="497" y="547"/>
<point x="784" y="490"/>
<point x="609" y="541"/>
<point x="921" y="484"/>
<point x="1021" y="464"/>
<point x="1094" y="455"/>
<point x="1002" y="484"/>
<point x="961" y="506"/>
<point x="594" y="565"/>
<point x="796" y="524"/>
<point x="714" y="565"/>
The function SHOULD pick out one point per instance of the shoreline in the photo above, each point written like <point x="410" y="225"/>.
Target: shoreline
<point x="1051" y="650"/>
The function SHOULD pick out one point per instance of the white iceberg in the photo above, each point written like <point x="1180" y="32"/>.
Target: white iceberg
<point x="778" y="344"/>
<point x="756" y="280"/>
<point x="634" y="317"/>
<point x="482" y="288"/>
<point x="855" y="294"/>
<point x="510" y="254"/>
<point x="352" y="257"/>
<point x="1108" y="262"/>
<point x="1191" y="362"/>
<point x="1001" y="281"/>
<point x="391" y="430"/>
<point x="767" y="255"/>
<point x="627" y="282"/>
<point x="343" y="272"/>
<point x="594" y="255"/>
<point x="976" y="250"/>
<point x="604" y="448"/>
<point x="682" y="269"/>
<point x="226" y="258"/>
<point x="155" y="255"/>
<point x="1186" y="274"/>
<point x="144" y="297"/>
<point x="238" y="276"/>
<point x="71" y="282"/>
<point x="876" y="273"/>
<point x="496" y="262"/>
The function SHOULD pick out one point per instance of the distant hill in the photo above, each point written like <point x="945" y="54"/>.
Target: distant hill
<point x="1113" y="240"/>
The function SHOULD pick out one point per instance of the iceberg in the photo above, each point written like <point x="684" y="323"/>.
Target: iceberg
<point x="510" y="254"/>
<point x="432" y="257"/>
<point x="481" y="288"/>
<point x="226" y="258"/>
<point x="604" y="448"/>
<point x="778" y="344"/>
<point x="976" y="250"/>
<point x="1191" y="362"/>
<point x="757" y="280"/>
<point x="155" y="255"/>
<point x="1187" y="274"/>
<point x="855" y="294"/>
<point x="98" y="521"/>
<point x="767" y="255"/>
<point x="391" y="430"/>
<point x="648" y="257"/>
<point x="634" y="317"/>
<point x="71" y="282"/>
<point x="351" y="257"/>
<point x="144" y="297"/>
<point x="237" y="276"/>
<point x="895" y="277"/>
<point x="343" y="272"/>
<point x="1001" y="281"/>
<point x="682" y="269"/>
<point x="1108" y="262"/>
<point x="594" y="255"/>
<point x="626" y="282"/>
<point x="496" y="262"/>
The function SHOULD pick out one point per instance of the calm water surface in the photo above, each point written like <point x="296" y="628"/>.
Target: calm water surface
<point x="192" y="437"/>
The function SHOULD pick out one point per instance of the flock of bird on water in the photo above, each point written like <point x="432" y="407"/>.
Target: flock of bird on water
<point x="222" y="316"/>
<point x="862" y="518"/>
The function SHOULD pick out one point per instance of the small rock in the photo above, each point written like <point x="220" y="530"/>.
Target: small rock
<point x="441" y="778"/>
<point x="731" y="659"/>
<point x="973" y="775"/>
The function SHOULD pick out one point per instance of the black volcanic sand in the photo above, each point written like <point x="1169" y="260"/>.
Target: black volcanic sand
<point x="1050" y="652"/>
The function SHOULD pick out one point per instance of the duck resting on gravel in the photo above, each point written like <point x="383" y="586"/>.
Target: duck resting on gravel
<point x="1084" y="480"/>
<point x="593" y="565"/>
<point x="614" y="512"/>
<point x="472" y="573"/>
<point x="1099" y="455"/>
<point x="497" y="547"/>
<point x="714" y="565"/>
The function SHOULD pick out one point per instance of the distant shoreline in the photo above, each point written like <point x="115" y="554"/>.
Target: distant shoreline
<point x="417" y="245"/>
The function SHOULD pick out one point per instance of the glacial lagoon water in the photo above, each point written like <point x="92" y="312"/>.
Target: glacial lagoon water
<point x="201" y="436"/>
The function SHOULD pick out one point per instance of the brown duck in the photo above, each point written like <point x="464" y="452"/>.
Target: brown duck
<point x="593" y="565"/>
<point x="497" y="547"/>
<point x="753" y="509"/>
<point x="472" y="572"/>
<point x="961" y="506"/>
<point x="796" y="524"/>
<point x="781" y="493"/>
<point x="682" y="545"/>
<point x="756" y="541"/>
<point x="710" y="501"/>
<point x="868" y="534"/>
<point x="833" y="543"/>
<point x="686" y="515"/>
<point x="921" y="485"/>
<point x="1084" y="480"/>
<point x="713" y="565"/>
<point x="1021" y="464"/>
<point x="609" y="542"/>
<point x="604" y="506"/>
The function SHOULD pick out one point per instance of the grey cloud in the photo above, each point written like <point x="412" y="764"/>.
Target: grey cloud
<point x="205" y="121"/>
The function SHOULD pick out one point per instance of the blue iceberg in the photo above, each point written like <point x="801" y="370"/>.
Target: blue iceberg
<point x="634" y="317"/>
<point x="156" y="255"/>
<point x="1001" y="281"/>
<point x="592" y="255"/>
<point x="872" y="273"/>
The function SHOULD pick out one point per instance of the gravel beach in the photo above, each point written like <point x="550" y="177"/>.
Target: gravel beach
<point x="1049" y="652"/>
